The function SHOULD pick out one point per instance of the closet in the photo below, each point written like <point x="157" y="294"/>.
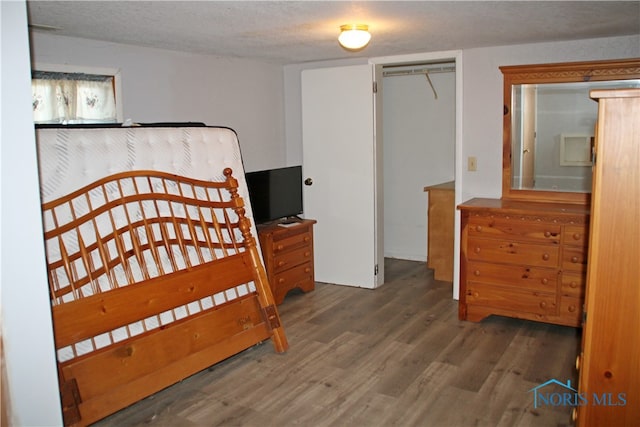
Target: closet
<point x="418" y="124"/>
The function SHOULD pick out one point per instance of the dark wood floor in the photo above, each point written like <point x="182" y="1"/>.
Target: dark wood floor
<point x="394" y="356"/>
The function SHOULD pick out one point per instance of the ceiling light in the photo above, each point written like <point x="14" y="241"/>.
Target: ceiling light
<point x="354" y="36"/>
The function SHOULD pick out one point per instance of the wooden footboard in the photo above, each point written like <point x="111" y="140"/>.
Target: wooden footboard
<point x="153" y="277"/>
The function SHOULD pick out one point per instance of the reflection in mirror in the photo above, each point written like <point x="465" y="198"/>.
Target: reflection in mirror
<point x="552" y="134"/>
<point x="549" y="126"/>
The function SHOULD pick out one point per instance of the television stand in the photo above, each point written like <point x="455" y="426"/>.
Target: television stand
<point x="287" y="252"/>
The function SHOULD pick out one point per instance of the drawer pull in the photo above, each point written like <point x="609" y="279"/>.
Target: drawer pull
<point x="476" y="273"/>
<point x="281" y="263"/>
<point x="574" y="259"/>
<point x="478" y="228"/>
<point x="307" y="238"/>
<point x="571" y="308"/>
<point x="576" y="236"/>
<point x="543" y="304"/>
<point x="306" y="254"/>
<point x="279" y="247"/>
<point x="477" y="250"/>
<point x="544" y="281"/>
<point x="547" y="234"/>
<point x="281" y="280"/>
<point x="307" y="270"/>
<point x="573" y="284"/>
<point x="545" y="256"/>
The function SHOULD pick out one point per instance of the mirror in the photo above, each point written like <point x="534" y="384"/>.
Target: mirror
<point x="549" y="126"/>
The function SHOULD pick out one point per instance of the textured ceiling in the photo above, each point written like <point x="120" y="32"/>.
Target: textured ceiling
<point x="299" y="31"/>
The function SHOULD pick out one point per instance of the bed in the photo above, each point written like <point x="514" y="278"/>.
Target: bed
<point x="154" y="270"/>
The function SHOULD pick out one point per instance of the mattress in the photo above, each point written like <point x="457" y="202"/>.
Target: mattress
<point x="73" y="157"/>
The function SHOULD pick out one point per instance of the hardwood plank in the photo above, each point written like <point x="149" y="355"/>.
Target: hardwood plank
<point x="397" y="378"/>
<point x="396" y="355"/>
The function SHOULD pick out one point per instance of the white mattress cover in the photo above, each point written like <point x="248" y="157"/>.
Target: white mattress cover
<point x="70" y="158"/>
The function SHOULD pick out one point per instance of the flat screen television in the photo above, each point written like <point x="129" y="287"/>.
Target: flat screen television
<point x="275" y="194"/>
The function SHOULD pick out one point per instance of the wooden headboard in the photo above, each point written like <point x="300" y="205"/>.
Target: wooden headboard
<point x="153" y="276"/>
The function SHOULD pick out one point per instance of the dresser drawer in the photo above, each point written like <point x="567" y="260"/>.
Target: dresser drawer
<point x="571" y="310"/>
<point x="285" y="260"/>
<point x="510" y="252"/>
<point x="481" y="226"/>
<point x="532" y="278"/>
<point x="574" y="258"/>
<point x="512" y="299"/>
<point x="287" y="242"/>
<point x="576" y="235"/>
<point x="573" y="284"/>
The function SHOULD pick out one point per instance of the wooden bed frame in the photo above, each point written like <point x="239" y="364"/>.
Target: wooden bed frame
<point x="153" y="277"/>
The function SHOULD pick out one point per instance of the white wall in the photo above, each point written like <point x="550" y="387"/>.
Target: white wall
<point x="27" y="334"/>
<point x="419" y="150"/>
<point x="482" y="99"/>
<point x="481" y="104"/>
<point x="162" y="85"/>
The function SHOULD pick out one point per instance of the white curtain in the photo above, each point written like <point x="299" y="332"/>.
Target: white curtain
<point x="73" y="101"/>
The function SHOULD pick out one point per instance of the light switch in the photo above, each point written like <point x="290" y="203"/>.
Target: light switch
<point x="472" y="164"/>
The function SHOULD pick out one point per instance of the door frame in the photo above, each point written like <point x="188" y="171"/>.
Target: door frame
<point x="455" y="56"/>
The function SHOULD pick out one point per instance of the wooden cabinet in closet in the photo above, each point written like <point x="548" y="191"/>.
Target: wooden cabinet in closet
<point x="441" y="210"/>
<point x="522" y="259"/>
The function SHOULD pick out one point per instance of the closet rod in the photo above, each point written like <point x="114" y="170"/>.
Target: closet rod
<point x="433" y="70"/>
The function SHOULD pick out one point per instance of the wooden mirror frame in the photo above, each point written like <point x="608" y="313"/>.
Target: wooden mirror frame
<point x="566" y="72"/>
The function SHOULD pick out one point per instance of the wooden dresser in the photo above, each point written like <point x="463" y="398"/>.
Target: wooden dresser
<point x="441" y="210"/>
<point x="523" y="259"/>
<point x="287" y="250"/>
<point x="609" y="363"/>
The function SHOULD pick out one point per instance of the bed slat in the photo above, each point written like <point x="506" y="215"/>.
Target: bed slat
<point x="76" y="321"/>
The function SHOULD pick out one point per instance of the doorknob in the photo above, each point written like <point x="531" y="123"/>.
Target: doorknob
<point x="525" y="151"/>
<point x="308" y="181"/>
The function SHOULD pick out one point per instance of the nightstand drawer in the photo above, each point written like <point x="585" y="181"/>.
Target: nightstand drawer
<point x="300" y="277"/>
<point x="291" y="241"/>
<point x="513" y="229"/>
<point x="291" y="258"/>
<point x="510" y="252"/>
<point x="533" y="278"/>
<point x="295" y="275"/>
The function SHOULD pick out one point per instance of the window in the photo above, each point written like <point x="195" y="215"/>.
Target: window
<point x="69" y="96"/>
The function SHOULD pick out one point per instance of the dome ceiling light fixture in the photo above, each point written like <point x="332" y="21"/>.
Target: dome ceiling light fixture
<point x="354" y="36"/>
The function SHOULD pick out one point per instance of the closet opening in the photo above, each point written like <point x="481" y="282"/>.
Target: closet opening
<point x="419" y="151"/>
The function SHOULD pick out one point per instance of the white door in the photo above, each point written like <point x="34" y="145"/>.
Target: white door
<point x="338" y="142"/>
